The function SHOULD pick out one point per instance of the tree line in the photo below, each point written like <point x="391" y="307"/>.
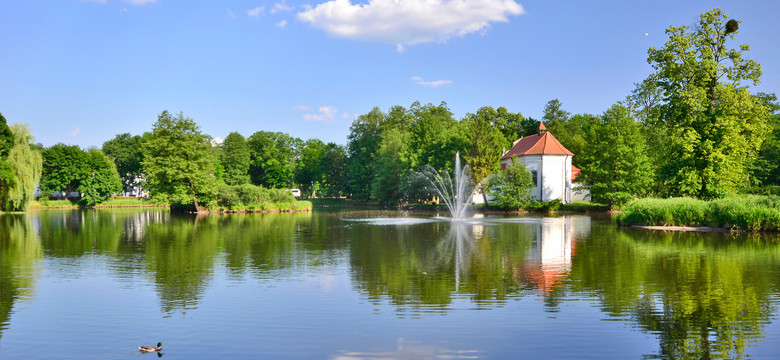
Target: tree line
<point x="692" y="128"/>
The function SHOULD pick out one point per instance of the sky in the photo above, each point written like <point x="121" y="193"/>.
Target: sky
<point x="82" y="71"/>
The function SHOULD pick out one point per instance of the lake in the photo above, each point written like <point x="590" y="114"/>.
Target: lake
<point x="370" y="284"/>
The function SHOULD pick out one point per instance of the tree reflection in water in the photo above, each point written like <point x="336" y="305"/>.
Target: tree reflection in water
<point x="20" y="255"/>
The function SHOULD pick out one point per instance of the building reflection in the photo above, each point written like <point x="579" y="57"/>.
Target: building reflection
<point x="553" y="246"/>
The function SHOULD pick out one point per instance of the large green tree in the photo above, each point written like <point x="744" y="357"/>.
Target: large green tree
<point x="178" y="160"/>
<point x="364" y="137"/>
<point x="712" y="126"/>
<point x="126" y="152"/>
<point x="392" y="162"/>
<point x="102" y="181"/>
<point x="273" y="158"/>
<point x="486" y="142"/>
<point x="616" y="166"/>
<point x="64" y="167"/>
<point x="235" y="159"/>
<point x="333" y="163"/>
<point x="310" y="169"/>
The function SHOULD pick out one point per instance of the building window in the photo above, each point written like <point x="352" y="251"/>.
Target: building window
<point x="535" y="177"/>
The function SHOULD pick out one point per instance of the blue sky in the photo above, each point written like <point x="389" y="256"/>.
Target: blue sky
<point x="80" y="72"/>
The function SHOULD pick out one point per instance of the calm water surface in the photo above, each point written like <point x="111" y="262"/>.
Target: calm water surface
<point x="346" y="284"/>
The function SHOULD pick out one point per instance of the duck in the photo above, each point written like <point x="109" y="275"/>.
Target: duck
<point x="151" y="348"/>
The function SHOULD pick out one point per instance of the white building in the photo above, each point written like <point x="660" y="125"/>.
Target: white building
<point x="549" y="164"/>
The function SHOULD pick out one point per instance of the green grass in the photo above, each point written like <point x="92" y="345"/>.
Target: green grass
<point x="584" y="207"/>
<point x="737" y="212"/>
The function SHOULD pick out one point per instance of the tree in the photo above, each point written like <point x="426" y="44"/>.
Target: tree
<point x="102" y="181"/>
<point x="766" y="168"/>
<point x="25" y="163"/>
<point x="362" y="146"/>
<point x="273" y="158"/>
<point x="435" y="137"/>
<point x="310" y="169"/>
<point x="126" y="152"/>
<point x="712" y="126"/>
<point x="486" y="142"/>
<point x="392" y="162"/>
<point x="554" y="114"/>
<point x="235" y="158"/>
<point x="6" y="138"/>
<point x="64" y="167"/>
<point x="333" y="162"/>
<point x="511" y="187"/>
<point x="179" y="163"/>
<point x="617" y="167"/>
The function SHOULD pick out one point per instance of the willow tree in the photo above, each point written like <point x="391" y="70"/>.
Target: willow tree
<point x="712" y="126"/>
<point x="25" y="163"/>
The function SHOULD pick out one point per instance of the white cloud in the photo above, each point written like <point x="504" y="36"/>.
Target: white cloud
<point x="282" y="23"/>
<point x="326" y="115"/>
<point x="256" y="12"/>
<point x="95" y="1"/>
<point x="231" y="14"/>
<point x="75" y="131"/>
<point x="140" y="2"/>
<point x="399" y="48"/>
<point x="301" y="108"/>
<point x="281" y="7"/>
<point x="408" y="22"/>
<point x="434" y="84"/>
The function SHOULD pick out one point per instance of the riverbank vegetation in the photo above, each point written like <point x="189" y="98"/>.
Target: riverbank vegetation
<point x="691" y="129"/>
<point x="736" y="212"/>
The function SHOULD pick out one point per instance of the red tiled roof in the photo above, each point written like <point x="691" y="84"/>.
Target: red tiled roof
<point x="575" y="171"/>
<point x="538" y="144"/>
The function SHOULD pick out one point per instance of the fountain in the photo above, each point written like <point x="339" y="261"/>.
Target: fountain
<point x="456" y="192"/>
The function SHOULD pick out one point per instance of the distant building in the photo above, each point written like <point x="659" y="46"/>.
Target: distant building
<point x="549" y="163"/>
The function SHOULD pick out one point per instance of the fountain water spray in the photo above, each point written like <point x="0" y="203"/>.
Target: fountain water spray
<point x="454" y="192"/>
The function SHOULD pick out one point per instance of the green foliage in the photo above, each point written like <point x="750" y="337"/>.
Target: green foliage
<point x="710" y="125"/>
<point x="364" y="138"/>
<point x="179" y="162"/>
<point x="235" y="159"/>
<point x="273" y="158"/>
<point x="64" y="167"/>
<point x="6" y="138"/>
<point x="544" y="206"/>
<point x="25" y="163"/>
<point x="616" y="165"/>
<point x="392" y="161"/>
<point x="486" y="141"/>
<point x="102" y="182"/>
<point x="126" y="152"/>
<point x="333" y="163"/>
<point x="742" y="212"/>
<point x="248" y="197"/>
<point x="766" y="167"/>
<point x="511" y="188"/>
<point x="310" y="172"/>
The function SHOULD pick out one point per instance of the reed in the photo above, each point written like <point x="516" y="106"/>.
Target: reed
<point x="736" y="212"/>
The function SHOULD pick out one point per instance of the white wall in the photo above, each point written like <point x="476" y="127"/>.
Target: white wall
<point x="554" y="176"/>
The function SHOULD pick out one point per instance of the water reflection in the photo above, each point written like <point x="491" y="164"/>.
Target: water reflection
<point x="700" y="295"/>
<point x="406" y="349"/>
<point x="20" y="254"/>
<point x="554" y="244"/>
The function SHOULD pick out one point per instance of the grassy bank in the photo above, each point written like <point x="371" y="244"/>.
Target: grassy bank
<point x="119" y="202"/>
<point x="737" y="212"/>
